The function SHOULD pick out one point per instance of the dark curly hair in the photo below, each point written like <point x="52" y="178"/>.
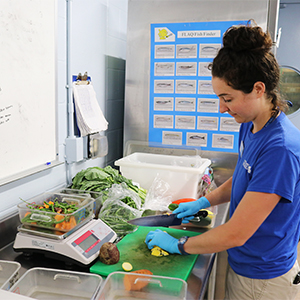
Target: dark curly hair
<point x="246" y="58"/>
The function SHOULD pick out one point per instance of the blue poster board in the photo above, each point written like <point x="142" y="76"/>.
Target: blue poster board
<point x="184" y="110"/>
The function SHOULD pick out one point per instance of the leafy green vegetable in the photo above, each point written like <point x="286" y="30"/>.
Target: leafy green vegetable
<point x="127" y="200"/>
<point x="95" y="174"/>
<point x="148" y="212"/>
<point x="116" y="217"/>
<point x="101" y="179"/>
<point x="113" y="213"/>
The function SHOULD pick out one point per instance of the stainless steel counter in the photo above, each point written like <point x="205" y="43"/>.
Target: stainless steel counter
<point x="197" y="281"/>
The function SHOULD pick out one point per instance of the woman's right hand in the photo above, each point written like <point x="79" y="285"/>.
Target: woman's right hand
<point x="188" y="209"/>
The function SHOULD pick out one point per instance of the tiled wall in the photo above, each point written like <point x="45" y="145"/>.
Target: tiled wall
<point x="114" y="107"/>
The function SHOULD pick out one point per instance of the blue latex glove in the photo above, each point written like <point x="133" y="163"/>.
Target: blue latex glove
<point x="188" y="209"/>
<point x="162" y="240"/>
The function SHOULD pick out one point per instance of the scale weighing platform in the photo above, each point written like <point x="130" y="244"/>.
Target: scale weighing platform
<point x="80" y="246"/>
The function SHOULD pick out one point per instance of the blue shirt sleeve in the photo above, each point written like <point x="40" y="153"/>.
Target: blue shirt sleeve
<point x="276" y="171"/>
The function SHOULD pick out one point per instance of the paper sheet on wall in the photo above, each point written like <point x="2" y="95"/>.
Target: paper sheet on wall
<point x="90" y="118"/>
<point x="183" y="108"/>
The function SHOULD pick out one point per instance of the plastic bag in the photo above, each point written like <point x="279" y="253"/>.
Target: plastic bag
<point x="207" y="183"/>
<point x="121" y="206"/>
<point x="158" y="196"/>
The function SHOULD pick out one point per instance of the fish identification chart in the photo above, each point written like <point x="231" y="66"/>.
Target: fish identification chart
<point x="184" y="110"/>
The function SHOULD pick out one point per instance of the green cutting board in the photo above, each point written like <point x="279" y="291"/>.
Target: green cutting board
<point x="134" y="250"/>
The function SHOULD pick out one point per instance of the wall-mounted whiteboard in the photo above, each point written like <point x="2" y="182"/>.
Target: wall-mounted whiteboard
<point x="28" y="139"/>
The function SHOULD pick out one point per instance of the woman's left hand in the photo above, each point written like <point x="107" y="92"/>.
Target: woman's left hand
<point x="163" y="240"/>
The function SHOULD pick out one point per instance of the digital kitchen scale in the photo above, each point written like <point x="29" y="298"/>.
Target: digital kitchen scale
<point x="80" y="247"/>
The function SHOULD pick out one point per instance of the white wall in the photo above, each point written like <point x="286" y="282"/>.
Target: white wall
<point x="98" y="29"/>
<point x="288" y="53"/>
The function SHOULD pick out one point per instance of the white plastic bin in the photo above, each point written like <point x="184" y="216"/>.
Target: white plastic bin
<point x="9" y="273"/>
<point x="182" y="173"/>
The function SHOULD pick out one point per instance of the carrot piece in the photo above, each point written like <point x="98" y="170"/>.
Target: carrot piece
<point x="132" y="282"/>
<point x="58" y="225"/>
<point x="58" y="217"/>
<point x="183" y="200"/>
<point x="65" y="225"/>
<point x="72" y="222"/>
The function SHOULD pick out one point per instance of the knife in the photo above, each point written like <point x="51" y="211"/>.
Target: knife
<point x="165" y="220"/>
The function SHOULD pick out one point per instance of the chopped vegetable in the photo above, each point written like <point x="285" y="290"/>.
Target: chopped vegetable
<point x="183" y="200"/>
<point x="52" y="214"/>
<point x="136" y="282"/>
<point x="126" y="266"/>
<point x="157" y="251"/>
<point x="210" y="213"/>
<point x="173" y="206"/>
<point x="65" y="225"/>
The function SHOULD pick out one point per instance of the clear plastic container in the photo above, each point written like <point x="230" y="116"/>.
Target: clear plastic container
<point x="126" y="286"/>
<point x="31" y="213"/>
<point x="43" y="283"/>
<point x="9" y="273"/>
<point x="7" y="295"/>
<point x="97" y="196"/>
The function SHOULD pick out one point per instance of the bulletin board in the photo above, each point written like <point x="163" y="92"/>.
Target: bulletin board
<point x="27" y="87"/>
<point x="183" y="109"/>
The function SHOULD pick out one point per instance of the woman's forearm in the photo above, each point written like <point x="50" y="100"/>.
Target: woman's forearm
<point x="221" y="194"/>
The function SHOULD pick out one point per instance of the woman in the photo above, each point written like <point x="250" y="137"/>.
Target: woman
<point x="262" y="233"/>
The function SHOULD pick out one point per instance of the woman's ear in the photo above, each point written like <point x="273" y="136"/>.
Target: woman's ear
<point x="259" y="88"/>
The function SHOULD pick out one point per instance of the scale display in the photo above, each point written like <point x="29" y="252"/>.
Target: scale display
<point x="90" y="242"/>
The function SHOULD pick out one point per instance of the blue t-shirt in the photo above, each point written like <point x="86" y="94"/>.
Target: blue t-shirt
<point x="269" y="162"/>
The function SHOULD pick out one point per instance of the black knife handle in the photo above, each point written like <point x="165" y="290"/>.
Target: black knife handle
<point x="201" y="213"/>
